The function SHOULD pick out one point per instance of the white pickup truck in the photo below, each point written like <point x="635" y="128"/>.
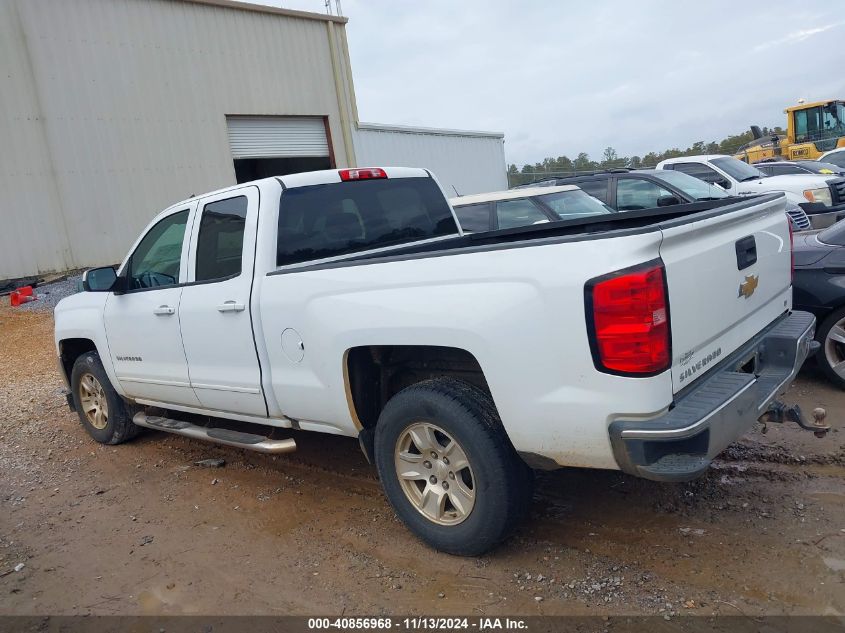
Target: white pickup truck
<point x="348" y="301"/>
<point x="821" y="197"/>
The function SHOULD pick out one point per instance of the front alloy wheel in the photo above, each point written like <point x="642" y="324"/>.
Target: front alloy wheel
<point x="103" y="413"/>
<point x="94" y="403"/>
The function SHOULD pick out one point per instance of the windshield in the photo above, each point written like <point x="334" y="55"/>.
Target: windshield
<point x="693" y="187"/>
<point x="737" y="169"/>
<point x="819" y="167"/>
<point x="820" y="122"/>
<point x="573" y="204"/>
<point x="837" y="158"/>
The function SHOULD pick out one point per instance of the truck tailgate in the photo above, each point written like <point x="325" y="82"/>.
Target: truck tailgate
<point x="728" y="276"/>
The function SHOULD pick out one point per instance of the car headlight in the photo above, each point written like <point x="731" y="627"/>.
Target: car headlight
<point x="821" y="194"/>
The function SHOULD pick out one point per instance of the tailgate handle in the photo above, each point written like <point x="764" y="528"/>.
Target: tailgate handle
<point x="746" y="252"/>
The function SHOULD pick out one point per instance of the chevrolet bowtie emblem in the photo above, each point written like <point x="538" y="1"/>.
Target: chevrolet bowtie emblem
<point x="747" y="287"/>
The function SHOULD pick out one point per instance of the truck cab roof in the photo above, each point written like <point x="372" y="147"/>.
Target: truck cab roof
<point x="320" y="177"/>
<point x="516" y="193"/>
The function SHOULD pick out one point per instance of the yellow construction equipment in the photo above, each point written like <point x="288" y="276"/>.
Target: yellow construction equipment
<point x="811" y="130"/>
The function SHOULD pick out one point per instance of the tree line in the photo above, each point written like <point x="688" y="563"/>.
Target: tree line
<point x="566" y="166"/>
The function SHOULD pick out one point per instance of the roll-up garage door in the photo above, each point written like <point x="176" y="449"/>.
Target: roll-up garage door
<point x="277" y="137"/>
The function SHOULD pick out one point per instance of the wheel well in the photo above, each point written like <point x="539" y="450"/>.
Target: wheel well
<point x="375" y="373"/>
<point x="72" y="348"/>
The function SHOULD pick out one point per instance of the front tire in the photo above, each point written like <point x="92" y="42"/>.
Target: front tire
<point x="448" y="468"/>
<point x="103" y="413"/>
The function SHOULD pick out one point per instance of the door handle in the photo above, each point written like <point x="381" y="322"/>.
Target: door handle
<point x="164" y="310"/>
<point x="231" y="306"/>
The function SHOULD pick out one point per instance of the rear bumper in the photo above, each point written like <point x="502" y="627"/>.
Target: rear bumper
<point x="718" y="408"/>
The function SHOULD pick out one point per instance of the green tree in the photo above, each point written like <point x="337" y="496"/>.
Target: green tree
<point x="563" y="165"/>
<point x="583" y="162"/>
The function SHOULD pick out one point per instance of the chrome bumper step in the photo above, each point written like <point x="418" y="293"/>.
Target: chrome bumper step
<point x="227" y="437"/>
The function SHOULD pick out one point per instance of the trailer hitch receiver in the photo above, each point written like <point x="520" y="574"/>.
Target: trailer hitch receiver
<point x="779" y="413"/>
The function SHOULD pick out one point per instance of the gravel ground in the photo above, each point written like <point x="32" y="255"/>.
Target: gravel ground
<point x="50" y="294"/>
<point x="141" y="528"/>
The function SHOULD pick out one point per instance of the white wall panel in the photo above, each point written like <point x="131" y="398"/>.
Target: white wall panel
<point x="32" y="234"/>
<point x="469" y="162"/>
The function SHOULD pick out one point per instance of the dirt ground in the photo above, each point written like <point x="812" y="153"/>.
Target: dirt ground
<point x="140" y="529"/>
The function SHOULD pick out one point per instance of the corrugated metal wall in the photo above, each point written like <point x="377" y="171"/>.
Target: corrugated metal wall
<point x="471" y="162"/>
<point x="111" y="110"/>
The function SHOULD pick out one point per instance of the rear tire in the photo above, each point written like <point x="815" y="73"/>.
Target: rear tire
<point x="831" y="336"/>
<point x="464" y="505"/>
<point x="103" y="413"/>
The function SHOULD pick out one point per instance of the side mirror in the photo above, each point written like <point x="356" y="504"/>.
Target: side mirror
<point x="667" y="201"/>
<point x="99" y="279"/>
<point x="724" y="184"/>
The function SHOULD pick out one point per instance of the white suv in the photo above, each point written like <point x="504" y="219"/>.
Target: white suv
<point x="822" y="197"/>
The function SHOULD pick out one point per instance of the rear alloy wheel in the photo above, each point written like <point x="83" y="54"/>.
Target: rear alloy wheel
<point x="831" y="357"/>
<point x="448" y="468"/>
<point x="435" y="473"/>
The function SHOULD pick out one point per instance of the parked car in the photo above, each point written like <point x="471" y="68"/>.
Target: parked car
<point x="629" y="190"/>
<point x="836" y="156"/>
<point x="822" y="197"/>
<point x="819" y="288"/>
<point x="792" y="167"/>
<point x="349" y="302"/>
<point x="508" y="209"/>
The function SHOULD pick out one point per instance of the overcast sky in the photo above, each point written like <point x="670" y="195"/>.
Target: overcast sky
<point x="562" y="77"/>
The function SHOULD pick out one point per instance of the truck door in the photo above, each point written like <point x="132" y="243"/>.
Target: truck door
<point x="142" y="325"/>
<point x="215" y="309"/>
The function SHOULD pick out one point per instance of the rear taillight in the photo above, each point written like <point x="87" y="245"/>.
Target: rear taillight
<point x="629" y="317"/>
<point x="791" y="252"/>
<point x="363" y="173"/>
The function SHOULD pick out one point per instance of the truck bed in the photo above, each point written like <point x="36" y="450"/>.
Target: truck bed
<point x="573" y="230"/>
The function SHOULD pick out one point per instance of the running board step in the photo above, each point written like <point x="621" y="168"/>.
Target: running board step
<point x="249" y="441"/>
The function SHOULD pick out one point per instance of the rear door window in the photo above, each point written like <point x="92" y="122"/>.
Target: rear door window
<point x="321" y="221"/>
<point x="634" y="194"/>
<point x="573" y="204"/>
<point x="221" y="239"/>
<point x="519" y="212"/>
<point x="697" y="170"/>
<point x="837" y="158"/>
<point x="474" y="217"/>
<point x="595" y="188"/>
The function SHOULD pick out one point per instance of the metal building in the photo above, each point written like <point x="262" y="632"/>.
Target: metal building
<point x="464" y="161"/>
<point x="110" y="110"/>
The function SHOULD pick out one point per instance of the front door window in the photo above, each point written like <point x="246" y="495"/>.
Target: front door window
<point x="156" y="261"/>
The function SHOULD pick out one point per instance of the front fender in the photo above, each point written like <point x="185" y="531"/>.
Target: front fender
<point x="80" y="316"/>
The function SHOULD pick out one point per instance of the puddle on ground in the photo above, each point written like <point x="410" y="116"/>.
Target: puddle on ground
<point x="829" y="497"/>
<point x="835" y="564"/>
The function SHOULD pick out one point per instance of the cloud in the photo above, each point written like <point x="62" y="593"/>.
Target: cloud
<point x="564" y="77"/>
<point x="796" y="36"/>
